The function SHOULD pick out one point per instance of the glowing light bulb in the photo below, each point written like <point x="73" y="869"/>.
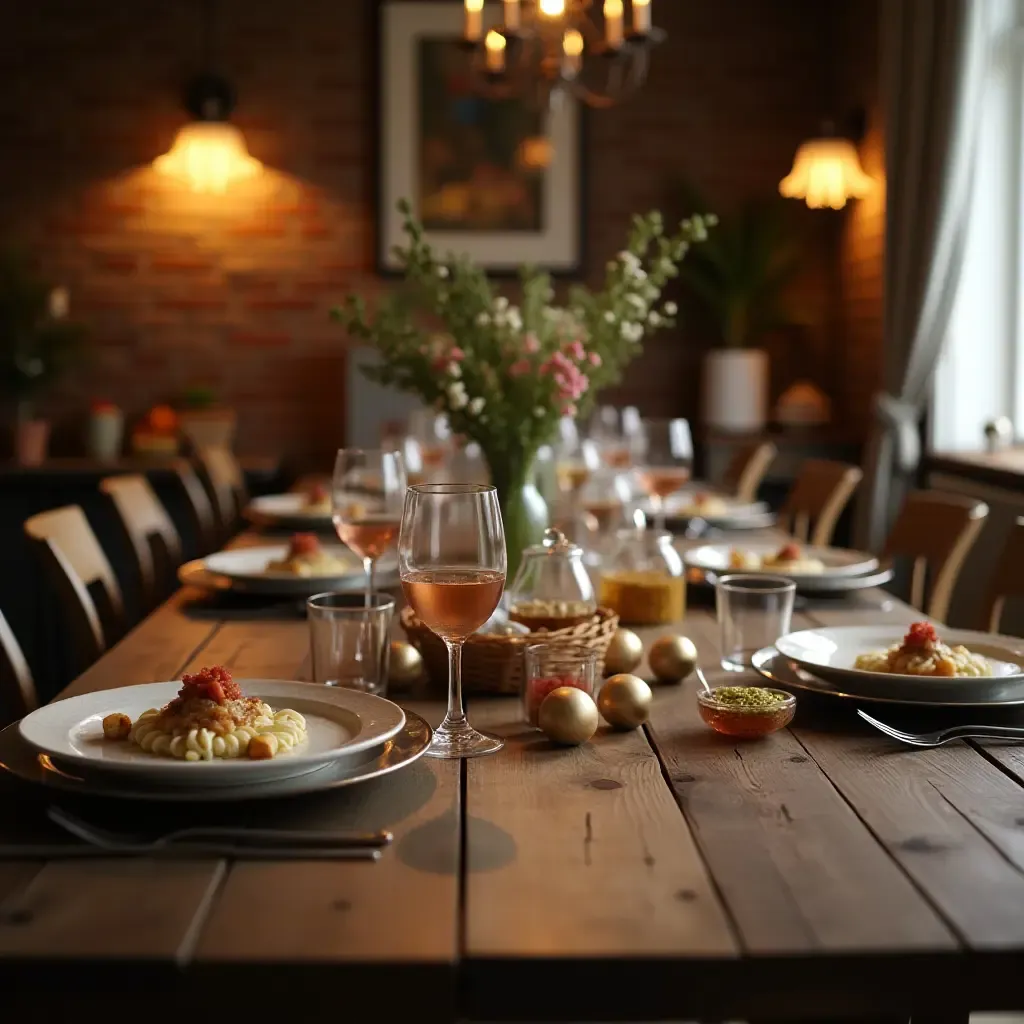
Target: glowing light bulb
<point x="826" y="172"/>
<point x="613" y="23"/>
<point x="552" y="8"/>
<point x="474" y="23"/>
<point x="641" y="16"/>
<point x="208" y="156"/>
<point x="495" y="45"/>
<point x="572" y="47"/>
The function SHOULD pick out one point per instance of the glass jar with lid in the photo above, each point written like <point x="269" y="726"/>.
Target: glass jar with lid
<point x="552" y="589"/>
<point x="643" y="579"/>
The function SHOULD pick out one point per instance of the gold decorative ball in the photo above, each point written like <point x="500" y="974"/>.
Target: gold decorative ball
<point x="568" y="715"/>
<point x="672" y="658"/>
<point x="625" y="701"/>
<point x="624" y="653"/>
<point x="405" y="664"/>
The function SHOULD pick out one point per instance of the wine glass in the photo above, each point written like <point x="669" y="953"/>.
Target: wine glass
<point x="433" y="435"/>
<point x="607" y="432"/>
<point x="451" y="557"/>
<point x="366" y="501"/>
<point x="667" y="461"/>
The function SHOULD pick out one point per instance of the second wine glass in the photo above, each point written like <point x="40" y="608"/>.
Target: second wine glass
<point x="451" y="557"/>
<point x="667" y="462"/>
<point x="367" y="495"/>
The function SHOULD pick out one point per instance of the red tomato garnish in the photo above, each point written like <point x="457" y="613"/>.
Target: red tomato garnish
<point x="788" y="553"/>
<point x="920" y="634"/>
<point x="214" y="684"/>
<point x="317" y="493"/>
<point x="304" y="544"/>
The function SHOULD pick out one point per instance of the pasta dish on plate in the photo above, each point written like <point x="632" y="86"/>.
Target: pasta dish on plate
<point x="789" y="558"/>
<point x="210" y="719"/>
<point x="922" y="653"/>
<point x="305" y="557"/>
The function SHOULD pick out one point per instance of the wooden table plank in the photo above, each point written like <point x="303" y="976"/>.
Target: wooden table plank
<point x="819" y="881"/>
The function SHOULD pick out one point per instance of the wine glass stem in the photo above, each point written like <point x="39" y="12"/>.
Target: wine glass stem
<point x="456" y="713"/>
<point x="658" y="504"/>
<point x="368" y="569"/>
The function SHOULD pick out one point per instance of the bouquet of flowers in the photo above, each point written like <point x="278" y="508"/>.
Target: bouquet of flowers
<point x="505" y="373"/>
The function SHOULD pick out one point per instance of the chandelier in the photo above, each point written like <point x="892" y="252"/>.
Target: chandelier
<point x="543" y="47"/>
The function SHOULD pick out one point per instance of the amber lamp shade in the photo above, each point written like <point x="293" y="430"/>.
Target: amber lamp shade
<point x="208" y="156"/>
<point x="826" y="172"/>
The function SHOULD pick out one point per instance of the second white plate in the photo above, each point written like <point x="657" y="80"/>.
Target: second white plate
<point x="837" y="561"/>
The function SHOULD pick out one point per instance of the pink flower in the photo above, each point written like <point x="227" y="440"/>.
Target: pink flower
<point x="575" y="349"/>
<point x="595" y="359"/>
<point x="519" y="368"/>
<point x="569" y="410"/>
<point x="530" y="343"/>
<point x="456" y="354"/>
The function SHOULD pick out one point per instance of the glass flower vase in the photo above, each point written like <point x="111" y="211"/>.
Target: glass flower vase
<point x="524" y="512"/>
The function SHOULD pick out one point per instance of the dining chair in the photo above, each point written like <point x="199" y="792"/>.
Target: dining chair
<point x="935" y="531"/>
<point x="225" y="482"/>
<point x="201" y="515"/>
<point x="151" y="534"/>
<point x="817" y="498"/>
<point x="85" y="582"/>
<point x="746" y="470"/>
<point x="17" y="689"/>
<point x="1008" y="579"/>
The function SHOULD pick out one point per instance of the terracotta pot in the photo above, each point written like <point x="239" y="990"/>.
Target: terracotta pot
<point x="736" y="389"/>
<point x="30" y="442"/>
<point x="208" y="428"/>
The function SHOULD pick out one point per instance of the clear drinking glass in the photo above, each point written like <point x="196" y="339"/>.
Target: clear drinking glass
<point x="366" y="499"/>
<point x="350" y="639"/>
<point x="451" y="557"/>
<point x="753" y="612"/>
<point x="549" y="666"/>
<point x="667" y="462"/>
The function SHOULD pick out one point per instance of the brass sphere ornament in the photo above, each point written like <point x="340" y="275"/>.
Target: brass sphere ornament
<point x="625" y="652"/>
<point x="568" y="716"/>
<point x="625" y="701"/>
<point x="672" y="658"/>
<point x="405" y="664"/>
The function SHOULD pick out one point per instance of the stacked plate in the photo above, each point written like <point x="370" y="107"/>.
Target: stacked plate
<point x="823" y="661"/>
<point x="719" y="512"/>
<point x="291" y="511"/>
<point x="351" y="737"/>
<point x="819" y="571"/>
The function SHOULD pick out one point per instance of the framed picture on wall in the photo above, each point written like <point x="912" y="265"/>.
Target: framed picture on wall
<point x="468" y="163"/>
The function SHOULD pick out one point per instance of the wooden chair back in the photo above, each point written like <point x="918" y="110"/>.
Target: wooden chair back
<point x="153" y="537"/>
<point x="226" y="484"/>
<point x="17" y="689"/>
<point x="202" y="517"/>
<point x="747" y="468"/>
<point x="935" y="531"/>
<point x="73" y="558"/>
<point x="817" y="498"/>
<point x="1008" y="579"/>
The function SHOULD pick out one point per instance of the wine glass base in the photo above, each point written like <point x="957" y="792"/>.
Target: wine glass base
<point x="457" y="741"/>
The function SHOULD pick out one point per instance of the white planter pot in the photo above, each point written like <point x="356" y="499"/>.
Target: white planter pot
<point x="736" y="390"/>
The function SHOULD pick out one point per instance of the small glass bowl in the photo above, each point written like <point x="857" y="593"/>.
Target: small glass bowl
<point x="746" y="722"/>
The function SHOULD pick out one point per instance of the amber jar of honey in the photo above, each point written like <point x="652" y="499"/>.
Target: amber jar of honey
<point x="644" y="579"/>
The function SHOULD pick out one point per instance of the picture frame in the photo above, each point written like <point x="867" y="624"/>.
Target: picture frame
<point x="458" y="156"/>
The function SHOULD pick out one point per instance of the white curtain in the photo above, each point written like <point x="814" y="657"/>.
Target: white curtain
<point x="933" y="61"/>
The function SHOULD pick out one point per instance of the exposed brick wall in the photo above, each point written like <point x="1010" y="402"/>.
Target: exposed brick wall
<point x="234" y="291"/>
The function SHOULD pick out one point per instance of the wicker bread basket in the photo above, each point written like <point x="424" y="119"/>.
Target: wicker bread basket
<point x="494" y="664"/>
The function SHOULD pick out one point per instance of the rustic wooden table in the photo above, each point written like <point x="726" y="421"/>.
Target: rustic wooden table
<point x="665" y="874"/>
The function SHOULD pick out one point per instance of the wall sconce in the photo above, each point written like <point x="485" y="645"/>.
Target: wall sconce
<point x="826" y="172"/>
<point x="209" y="153"/>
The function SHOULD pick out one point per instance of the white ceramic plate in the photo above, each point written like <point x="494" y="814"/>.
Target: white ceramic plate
<point x="405" y="747"/>
<point x="248" y="567"/>
<point x="340" y="724"/>
<point x="837" y="561"/>
<point x="831" y="653"/>
<point x="286" y="509"/>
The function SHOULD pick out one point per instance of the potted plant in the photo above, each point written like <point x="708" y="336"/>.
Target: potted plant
<point x="503" y="373"/>
<point x="204" y="422"/>
<point x="737" y="284"/>
<point x="37" y="344"/>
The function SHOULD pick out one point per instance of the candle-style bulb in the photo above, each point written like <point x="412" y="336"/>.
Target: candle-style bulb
<point x="614" y="33"/>
<point x="552" y="8"/>
<point x="494" y="43"/>
<point x="572" y="47"/>
<point x="474" y="21"/>
<point x="642" y="17"/>
<point x="512" y="22"/>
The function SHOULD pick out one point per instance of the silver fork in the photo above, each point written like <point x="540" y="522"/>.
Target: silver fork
<point x="267" y="838"/>
<point x="940" y="736"/>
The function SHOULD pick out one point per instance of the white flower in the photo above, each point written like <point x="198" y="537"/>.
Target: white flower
<point x="671" y="309"/>
<point x="475" y="406"/>
<point x="501" y="303"/>
<point x="654" y="319"/>
<point x="711" y="219"/>
<point x="514" y="319"/>
<point x="686" y="224"/>
<point x="457" y="397"/>
<point x="632" y="331"/>
<point x="640" y="274"/>
<point x="609" y="316"/>
<point x="442" y="271"/>
<point x="454" y="370"/>
<point x="539" y="411"/>
<point x="637" y="302"/>
<point x="666" y="266"/>
<point x="482" y="319"/>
